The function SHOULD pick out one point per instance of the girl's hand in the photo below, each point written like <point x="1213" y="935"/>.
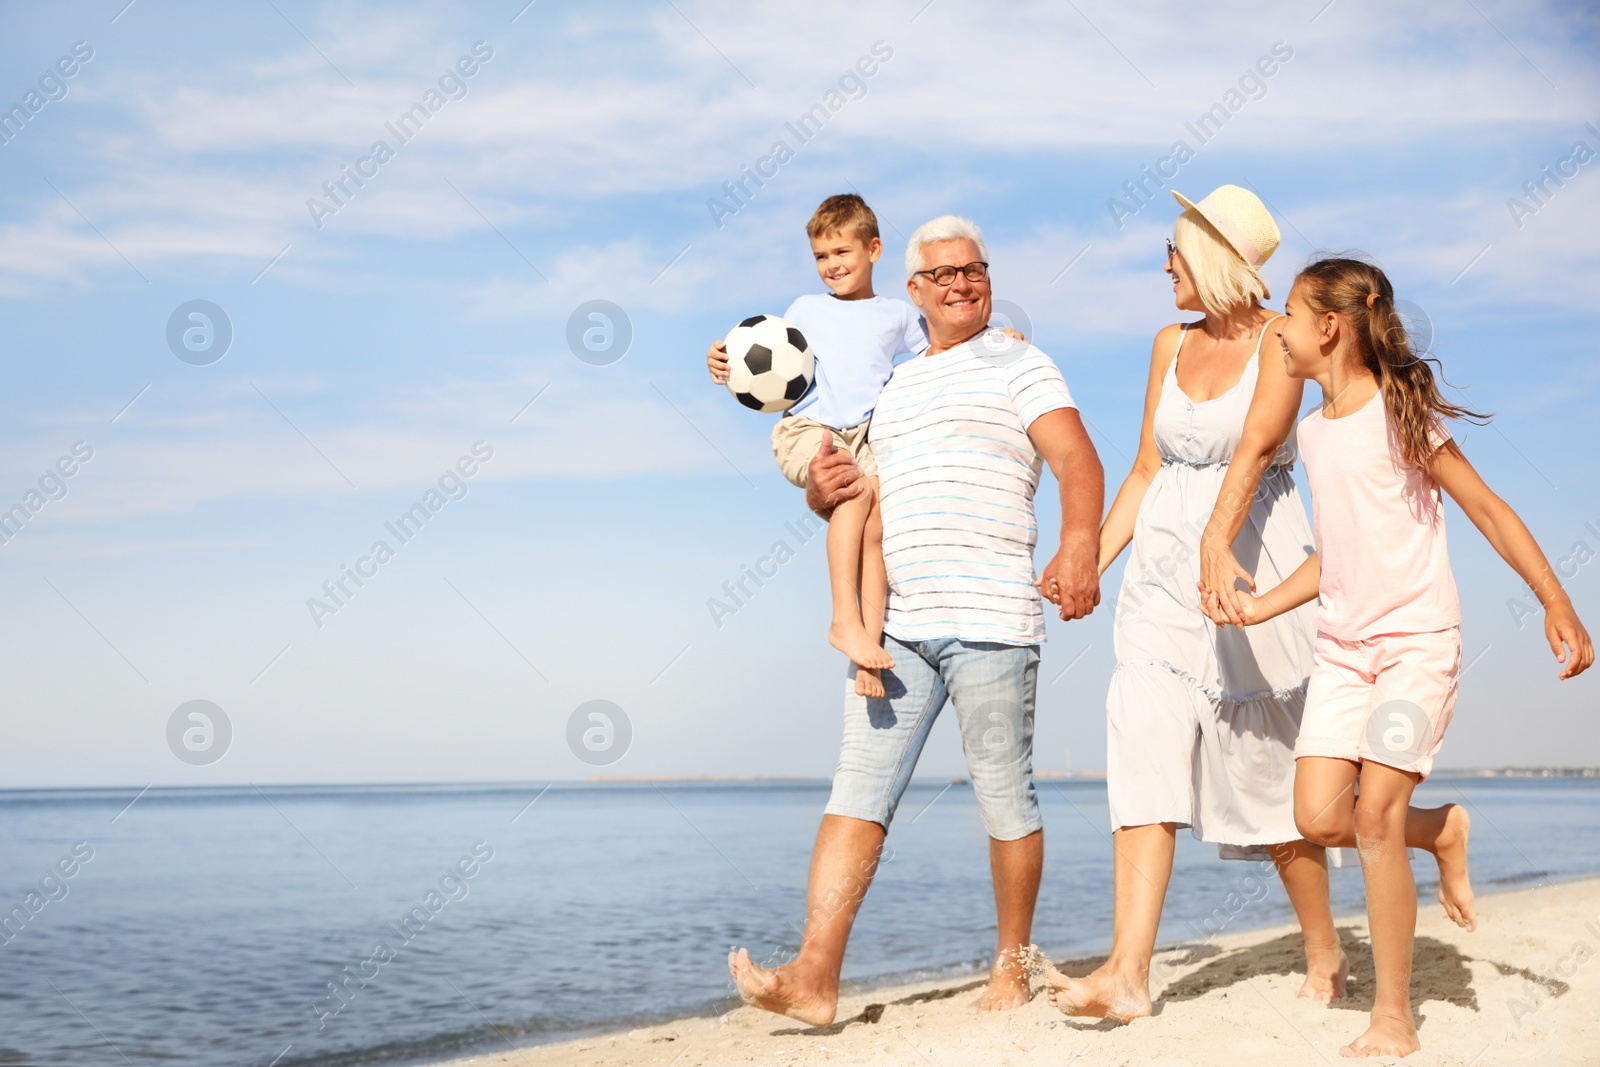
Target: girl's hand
<point x="1248" y="610"/>
<point x="717" y="362"/>
<point x="1561" y="627"/>
<point x="1218" y="573"/>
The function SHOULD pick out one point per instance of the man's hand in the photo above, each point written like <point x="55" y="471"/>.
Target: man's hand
<point x="832" y="478"/>
<point x="717" y="362"/>
<point x="1071" y="581"/>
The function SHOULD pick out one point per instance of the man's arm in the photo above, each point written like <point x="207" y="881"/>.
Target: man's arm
<point x="1072" y="579"/>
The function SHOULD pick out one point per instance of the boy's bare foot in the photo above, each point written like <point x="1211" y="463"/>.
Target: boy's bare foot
<point x="856" y="643"/>
<point x="1327" y="970"/>
<point x="782" y="992"/>
<point x="1387" y="1036"/>
<point x="1008" y="986"/>
<point x="1455" y="888"/>
<point x="1103" y="994"/>
<point x="869" y="683"/>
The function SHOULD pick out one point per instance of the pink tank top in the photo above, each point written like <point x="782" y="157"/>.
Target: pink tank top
<point x="1379" y="526"/>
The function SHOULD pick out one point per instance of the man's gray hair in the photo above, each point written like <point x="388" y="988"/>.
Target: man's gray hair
<point x="943" y="228"/>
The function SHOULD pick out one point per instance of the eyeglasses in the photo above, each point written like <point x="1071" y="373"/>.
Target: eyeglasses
<point x="1172" y="250"/>
<point x="976" y="271"/>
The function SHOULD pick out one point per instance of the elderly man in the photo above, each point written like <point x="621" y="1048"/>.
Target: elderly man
<point x="961" y="434"/>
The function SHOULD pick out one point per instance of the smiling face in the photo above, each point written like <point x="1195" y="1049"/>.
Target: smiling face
<point x="844" y="262"/>
<point x="1304" y="336"/>
<point x="1184" y="293"/>
<point x="956" y="312"/>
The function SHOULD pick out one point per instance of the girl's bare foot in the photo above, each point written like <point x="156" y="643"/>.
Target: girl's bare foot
<point x="1327" y="970"/>
<point x="1387" y="1036"/>
<point x="1105" y="994"/>
<point x="855" y="642"/>
<point x="781" y="991"/>
<point x="869" y="683"/>
<point x="1455" y="888"/>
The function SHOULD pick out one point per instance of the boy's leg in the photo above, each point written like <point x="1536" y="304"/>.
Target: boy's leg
<point x="846" y="632"/>
<point x="874" y="585"/>
<point x="1303" y="867"/>
<point x="1380" y="820"/>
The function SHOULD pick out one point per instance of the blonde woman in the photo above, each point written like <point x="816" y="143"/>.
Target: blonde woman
<point x="1202" y="720"/>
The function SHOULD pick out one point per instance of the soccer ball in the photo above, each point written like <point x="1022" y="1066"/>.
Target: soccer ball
<point x="769" y="363"/>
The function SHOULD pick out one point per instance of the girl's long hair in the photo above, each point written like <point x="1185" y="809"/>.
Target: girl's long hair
<point x="1409" y="380"/>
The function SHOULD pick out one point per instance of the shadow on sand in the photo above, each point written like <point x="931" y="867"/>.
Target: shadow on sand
<point x="1439" y="972"/>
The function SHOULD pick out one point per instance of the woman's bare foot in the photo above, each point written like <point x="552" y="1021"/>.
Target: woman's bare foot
<point x="1008" y="986"/>
<point x="1455" y="887"/>
<point x="781" y="991"/>
<point x="1103" y="994"/>
<point x="1327" y="970"/>
<point x="855" y="642"/>
<point x="1387" y="1036"/>
<point x="869" y="683"/>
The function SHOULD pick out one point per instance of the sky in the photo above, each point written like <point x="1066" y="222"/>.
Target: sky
<point x="384" y="328"/>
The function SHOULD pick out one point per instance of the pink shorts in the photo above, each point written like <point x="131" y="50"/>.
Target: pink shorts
<point x="1387" y="699"/>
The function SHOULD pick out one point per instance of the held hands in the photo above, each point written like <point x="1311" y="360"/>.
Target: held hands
<point x="1245" y="610"/>
<point x="1071" y="581"/>
<point x="1561" y="627"/>
<point x="717" y="362"/>
<point x="1219" y="570"/>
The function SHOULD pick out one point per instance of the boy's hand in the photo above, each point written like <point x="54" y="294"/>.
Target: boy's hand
<point x="1015" y="336"/>
<point x="1561" y="626"/>
<point x="717" y="362"/>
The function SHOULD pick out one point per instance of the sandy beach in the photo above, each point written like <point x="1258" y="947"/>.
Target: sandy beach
<point x="1524" y="988"/>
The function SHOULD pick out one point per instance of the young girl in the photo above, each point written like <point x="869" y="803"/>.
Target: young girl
<point x="1388" y="649"/>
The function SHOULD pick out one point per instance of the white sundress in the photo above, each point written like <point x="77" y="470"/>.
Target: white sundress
<point x="1201" y="720"/>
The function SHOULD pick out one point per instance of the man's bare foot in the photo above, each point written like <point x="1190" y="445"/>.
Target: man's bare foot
<point x="856" y="643"/>
<point x="1387" y="1036"/>
<point x="869" y="683"/>
<point x="1008" y="987"/>
<point x="1103" y="994"/>
<point x="1327" y="970"/>
<point x="780" y="992"/>
<point x="1455" y="888"/>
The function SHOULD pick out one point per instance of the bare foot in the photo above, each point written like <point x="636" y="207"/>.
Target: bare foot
<point x="1387" y="1036"/>
<point x="782" y="992"/>
<point x="1104" y="994"/>
<point x="1008" y="985"/>
<point x="855" y="642"/>
<point x="1455" y="888"/>
<point x="869" y="683"/>
<point x="1327" y="969"/>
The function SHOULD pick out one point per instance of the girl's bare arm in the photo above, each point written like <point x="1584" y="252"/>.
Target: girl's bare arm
<point x="1510" y="537"/>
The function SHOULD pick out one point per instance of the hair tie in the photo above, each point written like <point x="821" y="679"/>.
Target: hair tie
<point x="1372" y="301"/>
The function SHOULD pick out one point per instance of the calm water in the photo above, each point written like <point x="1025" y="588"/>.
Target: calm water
<point x="207" y="926"/>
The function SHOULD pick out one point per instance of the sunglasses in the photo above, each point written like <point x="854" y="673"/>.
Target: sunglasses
<point x="1172" y="250"/>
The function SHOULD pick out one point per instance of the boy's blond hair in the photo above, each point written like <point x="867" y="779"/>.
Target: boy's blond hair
<point x="844" y="213"/>
<point x="1223" y="279"/>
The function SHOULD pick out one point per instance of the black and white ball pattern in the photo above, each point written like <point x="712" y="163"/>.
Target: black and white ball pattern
<point x="770" y="366"/>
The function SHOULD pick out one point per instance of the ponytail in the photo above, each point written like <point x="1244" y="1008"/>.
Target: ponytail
<point x="1409" y="380"/>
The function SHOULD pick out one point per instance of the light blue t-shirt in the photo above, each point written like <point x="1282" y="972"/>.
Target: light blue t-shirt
<point x="854" y="343"/>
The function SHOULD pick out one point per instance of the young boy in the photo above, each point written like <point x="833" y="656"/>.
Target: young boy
<point x="854" y="335"/>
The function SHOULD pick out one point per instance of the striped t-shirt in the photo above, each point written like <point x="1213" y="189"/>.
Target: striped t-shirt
<point x="957" y="475"/>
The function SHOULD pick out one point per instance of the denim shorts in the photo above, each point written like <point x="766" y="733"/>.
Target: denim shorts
<point x="992" y="687"/>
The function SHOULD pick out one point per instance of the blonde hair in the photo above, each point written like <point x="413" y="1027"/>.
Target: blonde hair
<point x="843" y="213"/>
<point x="1361" y="293"/>
<point x="943" y="228"/>
<point x="1223" y="279"/>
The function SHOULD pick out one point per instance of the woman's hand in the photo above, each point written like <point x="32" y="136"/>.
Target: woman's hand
<point x="1219" y="572"/>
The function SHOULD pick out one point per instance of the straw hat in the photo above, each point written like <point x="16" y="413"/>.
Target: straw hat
<point x="1241" y="218"/>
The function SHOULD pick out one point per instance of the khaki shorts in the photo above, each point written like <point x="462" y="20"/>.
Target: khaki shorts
<point x="796" y="440"/>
